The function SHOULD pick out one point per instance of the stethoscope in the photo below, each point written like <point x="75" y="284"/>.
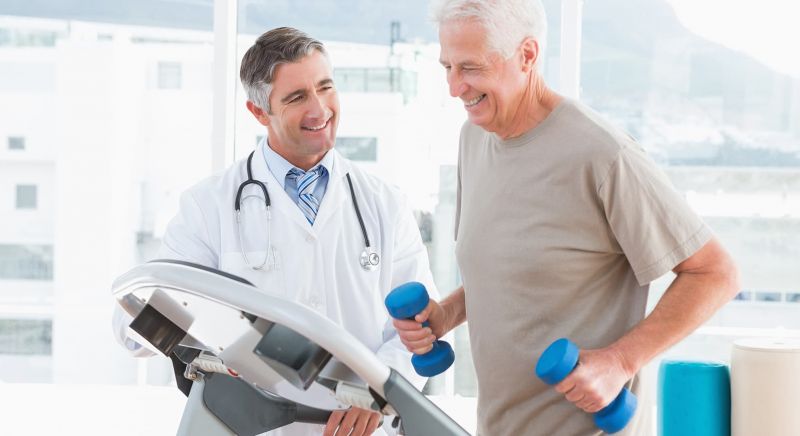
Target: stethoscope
<point x="369" y="259"/>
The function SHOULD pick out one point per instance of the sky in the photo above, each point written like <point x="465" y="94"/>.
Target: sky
<point x="768" y="30"/>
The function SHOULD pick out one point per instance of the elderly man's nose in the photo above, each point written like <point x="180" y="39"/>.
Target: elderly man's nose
<point x="457" y="87"/>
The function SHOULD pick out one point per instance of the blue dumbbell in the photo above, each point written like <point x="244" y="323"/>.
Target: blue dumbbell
<point x="405" y="302"/>
<point x="555" y="364"/>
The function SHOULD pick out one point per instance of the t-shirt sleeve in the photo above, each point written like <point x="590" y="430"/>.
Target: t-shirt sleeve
<point x="463" y="136"/>
<point x="457" y="217"/>
<point x="653" y="224"/>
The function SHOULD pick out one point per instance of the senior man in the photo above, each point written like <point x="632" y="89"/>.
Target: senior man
<point x="562" y="221"/>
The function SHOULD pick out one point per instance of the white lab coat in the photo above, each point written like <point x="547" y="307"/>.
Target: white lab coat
<point x="318" y="265"/>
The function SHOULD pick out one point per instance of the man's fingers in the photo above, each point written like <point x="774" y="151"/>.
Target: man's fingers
<point x="425" y="314"/>
<point x="374" y="423"/>
<point x="422" y="342"/>
<point x="575" y="396"/>
<point x="565" y="385"/>
<point x="416" y="334"/>
<point x="367" y="423"/>
<point x="360" y="427"/>
<point x="406" y="325"/>
<point x="584" y="405"/>
<point x="346" y="426"/>
<point x="333" y="422"/>
<point x="593" y="407"/>
<point x="422" y="350"/>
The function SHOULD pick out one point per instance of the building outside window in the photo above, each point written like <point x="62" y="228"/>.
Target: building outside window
<point x="376" y="80"/>
<point x="26" y="336"/>
<point x="16" y="143"/>
<point x="358" y="149"/>
<point x="169" y="75"/>
<point x="26" y="196"/>
<point x="26" y="262"/>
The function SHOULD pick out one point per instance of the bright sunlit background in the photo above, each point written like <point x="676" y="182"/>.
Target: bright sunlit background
<point x="108" y="110"/>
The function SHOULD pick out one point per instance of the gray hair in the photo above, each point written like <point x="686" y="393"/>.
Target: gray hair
<point x="507" y="22"/>
<point x="276" y="47"/>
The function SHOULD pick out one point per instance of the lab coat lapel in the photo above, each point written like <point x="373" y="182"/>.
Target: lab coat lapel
<point x="335" y="194"/>
<point x="281" y="202"/>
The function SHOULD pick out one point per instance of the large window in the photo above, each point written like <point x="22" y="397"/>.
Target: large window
<point x="358" y="149"/>
<point x="16" y="143"/>
<point x="376" y="80"/>
<point x="26" y="336"/>
<point x="169" y="75"/>
<point x="721" y="119"/>
<point x="26" y="262"/>
<point x="99" y="177"/>
<point x="26" y="196"/>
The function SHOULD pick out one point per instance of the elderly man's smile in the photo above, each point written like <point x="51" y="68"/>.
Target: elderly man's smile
<point x="474" y="101"/>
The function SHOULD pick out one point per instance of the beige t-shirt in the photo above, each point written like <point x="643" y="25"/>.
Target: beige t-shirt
<point x="559" y="232"/>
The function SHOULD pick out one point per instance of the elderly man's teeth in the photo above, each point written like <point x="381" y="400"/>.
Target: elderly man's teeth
<point x="475" y="100"/>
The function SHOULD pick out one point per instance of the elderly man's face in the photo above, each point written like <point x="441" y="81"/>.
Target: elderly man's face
<point x="305" y="110"/>
<point x="490" y="87"/>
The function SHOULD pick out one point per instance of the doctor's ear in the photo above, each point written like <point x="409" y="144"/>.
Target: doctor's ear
<point x="260" y="114"/>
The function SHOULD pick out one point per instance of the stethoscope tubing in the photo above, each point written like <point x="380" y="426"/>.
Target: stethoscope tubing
<point x="368" y="259"/>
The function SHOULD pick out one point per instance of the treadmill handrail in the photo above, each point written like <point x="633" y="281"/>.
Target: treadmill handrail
<point x="263" y="303"/>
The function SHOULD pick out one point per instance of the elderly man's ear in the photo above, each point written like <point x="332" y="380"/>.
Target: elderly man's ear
<point x="529" y="54"/>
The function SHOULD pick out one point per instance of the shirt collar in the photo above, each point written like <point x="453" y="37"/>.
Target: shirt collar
<point x="279" y="166"/>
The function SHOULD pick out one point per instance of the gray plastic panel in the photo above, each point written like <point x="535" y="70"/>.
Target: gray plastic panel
<point x="420" y="417"/>
<point x="249" y="411"/>
<point x="290" y="354"/>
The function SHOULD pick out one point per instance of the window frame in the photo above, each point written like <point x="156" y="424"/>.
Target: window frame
<point x="14" y="147"/>
<point x="28" y="205"/>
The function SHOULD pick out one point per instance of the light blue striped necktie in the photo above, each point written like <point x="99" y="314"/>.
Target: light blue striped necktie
<point x="306" y="182"/>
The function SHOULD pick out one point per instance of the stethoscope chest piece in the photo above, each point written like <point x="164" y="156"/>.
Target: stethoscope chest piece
<point x="369" y="259"/>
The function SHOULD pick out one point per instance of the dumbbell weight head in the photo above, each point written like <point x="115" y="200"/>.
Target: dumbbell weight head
<point x="405" y="302"/>
<point x="557" y="362"/>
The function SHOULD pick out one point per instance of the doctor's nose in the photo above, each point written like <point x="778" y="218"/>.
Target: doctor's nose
<point x="318" y="109"/>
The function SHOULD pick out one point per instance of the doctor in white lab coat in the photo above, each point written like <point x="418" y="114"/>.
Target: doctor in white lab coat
<point x="310" y="247"/>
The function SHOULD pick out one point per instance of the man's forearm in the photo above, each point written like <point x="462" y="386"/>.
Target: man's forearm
<point x="455" y="309"/>
<point x="691" y="299"/>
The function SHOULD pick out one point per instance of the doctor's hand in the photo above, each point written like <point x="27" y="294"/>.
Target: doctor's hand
<point x="596" y="380"/>
<point x="419" y="339"/>
<point x="352" y="422"/>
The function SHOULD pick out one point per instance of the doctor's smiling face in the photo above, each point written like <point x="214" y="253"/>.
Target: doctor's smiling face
<point x="304" y="110"/>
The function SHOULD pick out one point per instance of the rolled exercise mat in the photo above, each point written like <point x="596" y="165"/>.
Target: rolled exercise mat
<point x="694" y="399"/>
<point x="765" y="387"/>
